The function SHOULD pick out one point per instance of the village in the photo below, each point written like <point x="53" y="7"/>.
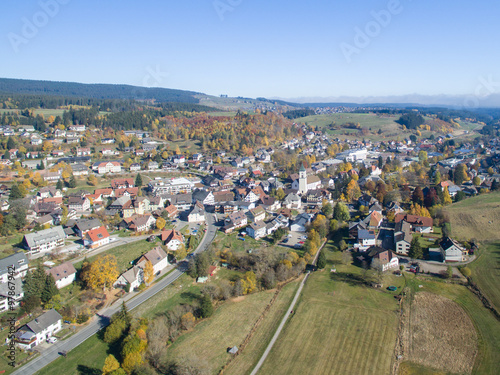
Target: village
<point x="165" y="201"/>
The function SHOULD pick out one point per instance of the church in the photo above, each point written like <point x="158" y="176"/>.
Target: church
<point x="305" y="183"/>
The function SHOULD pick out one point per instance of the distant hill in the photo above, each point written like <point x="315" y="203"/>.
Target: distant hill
<point x="96" y="91"/>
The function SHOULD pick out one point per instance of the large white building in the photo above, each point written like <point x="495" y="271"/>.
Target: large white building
<point x="171" y="186"/>
<point x="44" y="240"/>
<point x="353" y="155"/>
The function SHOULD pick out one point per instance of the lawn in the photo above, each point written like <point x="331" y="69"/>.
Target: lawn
<point x="88" y="358"/>
<point x="7" y="244"/>
<point x="486" y="272"/>
<point x="477" y="217"/>
<point x="124" y="254"/>
<point x="339" y="327"/>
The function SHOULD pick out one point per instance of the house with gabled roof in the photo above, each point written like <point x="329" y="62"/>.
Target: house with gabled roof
<point x="38" y="330"/>
<point x="96" y="237"/>
<point x="157" y="257"/>
<point x="64" y="274"/>
<point x="172" y="238"/>
<point x="132" y="278"/>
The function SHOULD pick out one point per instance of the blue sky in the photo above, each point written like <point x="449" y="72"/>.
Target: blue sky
<point x="255" y="47"/>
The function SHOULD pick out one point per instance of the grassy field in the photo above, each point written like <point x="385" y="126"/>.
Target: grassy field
<point x="339" y="327"/>
<point x="486" y="271"/>
<point x="228" y="327"/>
<point x="247" y="359"/>
<point x="477" y="217"/>
<point x="125" y="254"/>
<point x="7" y="244"/>
<point x="87" y="359"/>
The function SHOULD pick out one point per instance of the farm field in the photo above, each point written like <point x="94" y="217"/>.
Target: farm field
<point x="477" y="217"/>
<point x="487" y="361"/>
<point x="486" y="271"/>
<point x="438" y="327"/>
<point x="228" y="327"/>
<point x="339" y="327"/>
<point x="247" y="359"/>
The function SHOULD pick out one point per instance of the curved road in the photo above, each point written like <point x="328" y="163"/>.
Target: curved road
<point x="102" y="319"/>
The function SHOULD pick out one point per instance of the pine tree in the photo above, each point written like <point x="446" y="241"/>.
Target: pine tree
<point x="59" y="185"/>
<point x="72" y="182"/>
<point x="138" y="180"/>
<point x="49" y="290"/>
<point x="207" y="309"/>
<point x="415" y="251"/>
<point x="321" y="260"/>
<point x="15" y="192"/>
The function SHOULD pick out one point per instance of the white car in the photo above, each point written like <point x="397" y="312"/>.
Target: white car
<point x="52" y="340"/>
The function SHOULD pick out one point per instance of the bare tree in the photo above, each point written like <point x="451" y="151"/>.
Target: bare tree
<point x="158" y="332"/>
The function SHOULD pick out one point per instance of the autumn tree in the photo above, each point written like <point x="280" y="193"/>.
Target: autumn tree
<point x="418" y="196"/>
<point x="110" y="365"/>
<point x="101" y="273"/>
<point x="149" y="272"/>
<point x="160" y="223"/>
<point x="353" y="191"/>
<point x="445" y="196"/>
<point x="460" y="174"/>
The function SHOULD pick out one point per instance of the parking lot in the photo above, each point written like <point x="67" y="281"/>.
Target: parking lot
<point x="293" y="239"/>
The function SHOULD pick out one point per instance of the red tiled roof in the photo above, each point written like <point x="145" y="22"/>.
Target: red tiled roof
<point x="98" y="234"/>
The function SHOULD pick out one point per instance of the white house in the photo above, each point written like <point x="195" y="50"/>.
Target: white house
<point x="64" y="274"/>
<point x="39" y="329"/>
<point x="132" y="277"/>
<point x="197" y="214"/>
<point x="256" y="230"/>
<point x="452" y="251"/>
<point x="157" y="257"/>
<point x="172" y="239"/>
<point x="96" y="237"/>
<point x="300" y="223"/>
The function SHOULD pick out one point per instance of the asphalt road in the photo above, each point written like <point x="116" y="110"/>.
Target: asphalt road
<point x="102" y="319"/>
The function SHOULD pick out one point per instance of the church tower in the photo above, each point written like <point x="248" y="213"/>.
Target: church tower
<point x="302" y="180"/>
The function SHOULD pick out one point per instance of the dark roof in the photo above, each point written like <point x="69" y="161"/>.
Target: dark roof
<point x="43" y="321"/>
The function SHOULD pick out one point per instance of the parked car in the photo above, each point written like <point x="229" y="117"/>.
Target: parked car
<point x="52" y="340"/>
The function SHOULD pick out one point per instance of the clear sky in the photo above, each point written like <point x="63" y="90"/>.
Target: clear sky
<point x="255" y="47"/>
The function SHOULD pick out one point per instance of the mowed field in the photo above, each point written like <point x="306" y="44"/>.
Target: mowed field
<point x="486" y="272"/>
<point x="229" y="326"/>
<point x="477" y="217"/>
<point x="339" y="327"/>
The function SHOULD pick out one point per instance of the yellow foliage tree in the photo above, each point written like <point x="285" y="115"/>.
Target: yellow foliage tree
<point x="110" y="364"/>
<point x="353" y="191"/>
<point x="101" y="273"/>
<point x="37" y="179"/>
<point x="149" y="273"/>
<point x="249" y="282"/>
<point x="131" y="361"/>
<point x="160" y="223"/>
